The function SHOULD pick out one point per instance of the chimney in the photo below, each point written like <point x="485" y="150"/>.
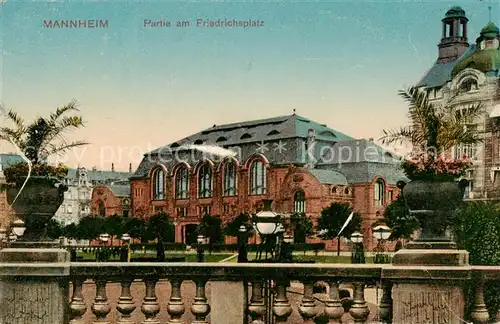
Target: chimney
<point x="112" y="167"/>
<point x="130" y="168"/>
<point x="371" y="139"/>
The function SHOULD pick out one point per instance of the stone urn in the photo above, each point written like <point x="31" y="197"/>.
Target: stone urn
<point x="36" y="204"/>
<point x="433" y="203"/>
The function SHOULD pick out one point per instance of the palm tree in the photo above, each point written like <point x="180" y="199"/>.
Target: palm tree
<point x="37" y="140"/>
<point x="433" y="128"/>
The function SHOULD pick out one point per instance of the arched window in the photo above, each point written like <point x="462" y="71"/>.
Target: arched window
<point x="205" y="181"/>
<point x="158" y="184"/>
<point x="258" y="179"/>
<point x="182" y="183"/>
<point x="468" y="85"/>
<point x="379" y="192"/>
<point x="102" y="209"/>
<point x="230" y="179"/>
<point x="299" y="202"/>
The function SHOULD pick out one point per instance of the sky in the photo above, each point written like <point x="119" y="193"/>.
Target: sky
<point x="140" y="87"/>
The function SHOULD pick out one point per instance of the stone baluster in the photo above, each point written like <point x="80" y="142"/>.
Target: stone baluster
<point x="257" y="307"/>
<point x="281" y="307"/>
<point x="175" y="307"/>
<point x="307" y="308"/>
<point x="333" y="306"/>
<point x="479" y="312"/>
<point x="200" y="307"/>
<point x="100" y="306"/>
<point x="150" y="306"/>
<point x="77" y="306"/>
<point x="359" y="310"/>
<point x="126" y="303"/>
<point x="385" y="307"/>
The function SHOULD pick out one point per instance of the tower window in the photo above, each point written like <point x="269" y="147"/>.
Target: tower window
<point x="205" y="181"/>
<point x="230" y="179"/>
<point x="258" y="178"/>
<point x="379" y="192"/>
<point x="182" y="183"/>
<point x="158" y="184"/>
<point x="299" y="202"/>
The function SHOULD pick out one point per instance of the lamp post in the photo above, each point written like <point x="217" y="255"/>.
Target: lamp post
<point x="104" y="253"/>
<point x="287" y="249"/>
<point x="357" y="255"/>
<point x="242" y="246"/>
<point x="266" y="223"/>
<point x="201" y="255"/>
<point x="381" y="233"/>
<point x="18" y="228"/>
<point x="125" y="255"/>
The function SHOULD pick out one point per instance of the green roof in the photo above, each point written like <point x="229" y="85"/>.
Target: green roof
<point x="486" y="60"/>
<point x="455" y="12"/>
<point x="490" y="31"/>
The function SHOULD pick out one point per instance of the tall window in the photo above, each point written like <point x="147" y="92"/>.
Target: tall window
<point x="158" y="184"/>
<point x="258" y="178"/>
<point x="230" y="179"/>
<point x="102" y="209"/>
<point x="182" y="183"/>
<point x="299" y="202"/>
<point x="379" y="192"/>
<point x="205" y="181"/>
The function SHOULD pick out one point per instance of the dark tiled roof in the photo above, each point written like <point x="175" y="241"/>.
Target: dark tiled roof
<point x="329" y="177"/>
<point x="100" y="176"/>
<point x="120" y="190"/>
<point x="440" y="73"/>
<point x="256" y="131"/>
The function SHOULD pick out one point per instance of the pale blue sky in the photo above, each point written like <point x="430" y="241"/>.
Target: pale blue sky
<point x="336" y="62"/>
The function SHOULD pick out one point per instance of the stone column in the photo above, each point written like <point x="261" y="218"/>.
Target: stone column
<point x="34" y="284"/>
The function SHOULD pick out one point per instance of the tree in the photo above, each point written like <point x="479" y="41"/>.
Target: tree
<point x="398" y="218"/>
<point x="433" y="128"/>
<point x="333" y="218"/>
<point x="90" y="227"/>
<point x="302" y="227"/>
<point x="211" y="227"/>
<point x="233" y="228"/>
<point x="137" y="228"/>
<point x="55" y="229"/>
<point x="114" y="226"/>
<point x="477" y="230"/>
<point x="163" y="229"/>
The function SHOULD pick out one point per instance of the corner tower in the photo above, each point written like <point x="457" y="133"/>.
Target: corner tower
<point x="454" y="41"/>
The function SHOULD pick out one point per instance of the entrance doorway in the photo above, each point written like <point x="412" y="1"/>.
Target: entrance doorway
<point x="190" y="234"/>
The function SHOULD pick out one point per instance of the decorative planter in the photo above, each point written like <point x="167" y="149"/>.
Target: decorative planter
<point x="36" y="204"/>
<point x="433" y="203"/>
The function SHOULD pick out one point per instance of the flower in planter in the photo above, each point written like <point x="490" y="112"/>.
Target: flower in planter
<point x="425" y="166"/>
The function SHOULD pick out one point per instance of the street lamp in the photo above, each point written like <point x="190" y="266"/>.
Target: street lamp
<point x="287" y="249"/>
<point x="125" y="255"/>
<point x="266" y="223"/>
<point x="18" y="228"/>
<point x="242" y="247"/>
<point x="358" y="255"/>
<point x="103" y="253"/>
<point x="201" y="256"/>
<point x="381" y="233"/>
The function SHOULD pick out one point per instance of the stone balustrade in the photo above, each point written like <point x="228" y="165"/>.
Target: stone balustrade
<point x="257" y="277"/>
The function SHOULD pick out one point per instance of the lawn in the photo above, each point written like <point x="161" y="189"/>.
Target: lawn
<point x="315" y="258"/>
<point x="189" y="257"/>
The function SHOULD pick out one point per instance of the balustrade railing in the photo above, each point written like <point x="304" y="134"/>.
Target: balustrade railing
<point x="257" y="277"/>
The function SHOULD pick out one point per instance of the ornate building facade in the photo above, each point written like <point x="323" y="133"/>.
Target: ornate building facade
<point x="301" y="165"/>
<point x="81" y="183"/>
<point x="466" y="74"/>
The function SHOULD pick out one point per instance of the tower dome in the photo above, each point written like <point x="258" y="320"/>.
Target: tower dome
<point x="455" y="12"/>
<point x="490" y="31"/>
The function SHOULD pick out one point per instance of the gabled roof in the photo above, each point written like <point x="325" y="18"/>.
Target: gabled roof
<point x="120" y="190"/>
<point x="256" y="131"/>
<point x="329" y="177"/>
<point x="440" y="73"/>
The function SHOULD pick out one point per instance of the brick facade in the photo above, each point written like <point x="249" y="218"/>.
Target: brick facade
<point x="282" y="183"/>
<point x="105" y="203"/>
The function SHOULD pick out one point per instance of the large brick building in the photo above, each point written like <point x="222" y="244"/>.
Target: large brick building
<point x="466" y="74"/>
<point x="299" y="164"/>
